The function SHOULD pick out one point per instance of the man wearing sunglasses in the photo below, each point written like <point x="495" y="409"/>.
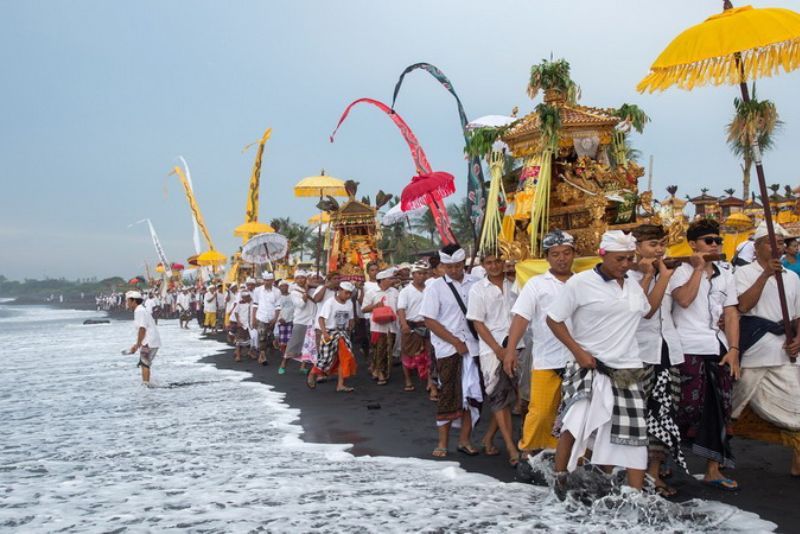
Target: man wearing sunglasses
<point x="704" y="292"/>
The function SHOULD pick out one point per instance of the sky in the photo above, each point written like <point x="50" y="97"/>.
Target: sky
<point x="99" y="98"/>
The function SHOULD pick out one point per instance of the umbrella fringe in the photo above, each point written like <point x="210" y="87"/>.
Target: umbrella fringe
<point x="759" y="62"/>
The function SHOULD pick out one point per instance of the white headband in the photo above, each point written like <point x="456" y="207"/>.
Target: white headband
<point x="761" y="231"/>
<point x="386" y="273"/>
<point x="617" y="241"/>
<point x="456" y="257"/>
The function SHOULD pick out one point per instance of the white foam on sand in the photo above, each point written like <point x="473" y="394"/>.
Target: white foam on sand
<point x="86" y="448"/>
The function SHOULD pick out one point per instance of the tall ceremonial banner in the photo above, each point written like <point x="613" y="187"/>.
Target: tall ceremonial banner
<point x="162" y="256"/>
<point x="198" y="217"/>
<point x="475" y="200"/>
<point x="195" y="228"/>
<point x="251" y="210"/>
<point x="417" y="154"/>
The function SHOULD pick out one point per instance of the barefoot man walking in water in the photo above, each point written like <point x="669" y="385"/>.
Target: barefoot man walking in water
<point x="147" y="339"/>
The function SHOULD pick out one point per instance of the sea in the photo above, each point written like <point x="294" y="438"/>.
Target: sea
<point x="86" y="448"/>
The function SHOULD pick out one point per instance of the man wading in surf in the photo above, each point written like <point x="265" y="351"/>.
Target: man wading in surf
<point x="147" y="339"/>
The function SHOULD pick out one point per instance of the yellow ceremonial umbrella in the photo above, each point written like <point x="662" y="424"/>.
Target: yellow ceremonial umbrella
<point x="733" y="47"/>
<point x="739" y="222"/>
<point x="250" y="229"/>
<point x="212" y="258"/>
<point x="319" y="186"/>
<point x="323" y="217"/>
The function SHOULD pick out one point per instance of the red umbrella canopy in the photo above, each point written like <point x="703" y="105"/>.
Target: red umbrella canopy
<point x="134" y="281"/>
<point x="425" y="188"/>
<point x="177" y="267"/>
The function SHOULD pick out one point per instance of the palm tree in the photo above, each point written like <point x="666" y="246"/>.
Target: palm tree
<point x="460" y="222"/>
<point x="426" y="225"/>
<point x="754" y="120"/>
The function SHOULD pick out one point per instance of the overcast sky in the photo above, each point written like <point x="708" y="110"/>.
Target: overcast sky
<point x="99" y="98"/>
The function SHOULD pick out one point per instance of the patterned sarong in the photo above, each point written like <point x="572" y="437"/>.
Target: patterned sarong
<point x="628" y="422"/>
<point x="450" y="406"/>
<point x="381" y="353"/>
<point x="662" y="390"/>
<point x="336" y="352"/>
<point x="284" y="333"/>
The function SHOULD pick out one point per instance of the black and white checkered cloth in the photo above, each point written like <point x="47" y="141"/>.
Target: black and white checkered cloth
<point x="327" y="353"/>
<point x="663" y="391"/>
<point x="628" y="422"/>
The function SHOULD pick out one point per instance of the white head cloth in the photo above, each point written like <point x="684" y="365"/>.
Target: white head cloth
<point x="456" y="257"/>
<point x="617" y="241"/>
<point x="386" y="273"/>
<point x="557" y="237"/>
<point x="133" y="295"/>
<point x="761" y="231"/>
<point x="419" y="267"/>
<point x="299" y="274"/>
<point x="268" y="276"/>
<point x="347" y="286"/>
<point x="250" y="281"/>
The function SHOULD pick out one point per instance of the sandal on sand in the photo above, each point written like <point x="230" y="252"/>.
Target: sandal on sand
<point x="514" y="461"/>
<point x="491" y="450"/>
<point x="468" y="449"/>
<point x="409" y="388"/>
<point x="665" y="491"/>
<point x="439" y="452"/>
<point x="311" y="381"/>
<point x="724" y="484"/>
<point x="382" y="382"/>
<point x="345" y="389"/>
<point x="434" y="398"/>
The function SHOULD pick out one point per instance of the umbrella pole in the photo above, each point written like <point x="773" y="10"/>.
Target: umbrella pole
<point x="319" y="234"/>
<point x="762" y="187"/>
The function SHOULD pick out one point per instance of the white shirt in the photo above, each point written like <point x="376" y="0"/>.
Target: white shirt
<point x="329" y="294"/>
<point x="533" y="303"/>
<point x="304" y="311"/>
<point x="369" y="288"/>
<point x="492" y="306"/>
<point x="287" y="308"/>
<point x="242" y="314"/>
<point x="439" y="303"/>
<point x="149" y="304"/>
<point x="653" y="332"/>
<point x="698" y="325"/>
<point x="410" y="300"/>
<point x="183" y="301"/>
<point x="336" y="314"/>
<point x="768" y="351"/>
<point x="389" y="298"/>
<point x="233" y="298"/>
<point x="143" y="319"/>
<point x="266" y="302"/>
<point x="210" y="302"/>
<point x="604" y="316"/>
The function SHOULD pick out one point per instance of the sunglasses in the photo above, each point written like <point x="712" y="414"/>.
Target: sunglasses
<point x="711" y="240"/>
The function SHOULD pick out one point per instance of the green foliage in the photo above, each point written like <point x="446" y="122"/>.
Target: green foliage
<point x="461" y="223"/>
<point x="480" y="140"/>
<point x="634" y="114"/>
<point x="553" y="75"/>
<point x="549" y="124"/>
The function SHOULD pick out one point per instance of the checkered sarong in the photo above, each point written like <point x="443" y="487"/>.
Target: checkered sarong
<point x="628" y="421"/>
<point x="327" y="352"/>
<point x="662" y="389"/>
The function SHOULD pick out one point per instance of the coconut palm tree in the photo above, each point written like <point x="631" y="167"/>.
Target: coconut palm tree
<point x="754" y="120"/>
<point x="426" y="225"/>
<point x="460" y="222"/>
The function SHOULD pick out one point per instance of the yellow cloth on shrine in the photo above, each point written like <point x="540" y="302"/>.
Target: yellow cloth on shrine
<point x="528" y="268"/>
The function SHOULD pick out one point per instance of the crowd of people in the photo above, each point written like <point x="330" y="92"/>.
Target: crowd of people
<point x="615" y="366"/>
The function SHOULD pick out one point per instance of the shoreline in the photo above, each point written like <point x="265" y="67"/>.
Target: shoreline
<point x="403" y="426"/>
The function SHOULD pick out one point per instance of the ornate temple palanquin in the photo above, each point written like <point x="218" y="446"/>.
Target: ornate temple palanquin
<point x="593" y="186"/>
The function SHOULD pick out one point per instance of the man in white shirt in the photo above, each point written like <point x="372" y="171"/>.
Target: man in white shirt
<point x="661" y="353"/>
<point x="382" y="332"/>
<point x="550" y="356"/>
<point x="335" y="323"/>
<point x="414" y="339"/>
<point x="183" y="305"/>
<point x="703" y="293"/>
<point x="147" y="339"/>
<point x="304" y="311"/>
<point x="370" y="285"/>
<point x="765" y="400"/>
<point x="266" y="305"/>
<point x="490" y="301"/>
<point x="444" y="306"/>
<point x="603" y="400"/>
<point x="210" y="309"/>
<point x="241" y="317"/>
